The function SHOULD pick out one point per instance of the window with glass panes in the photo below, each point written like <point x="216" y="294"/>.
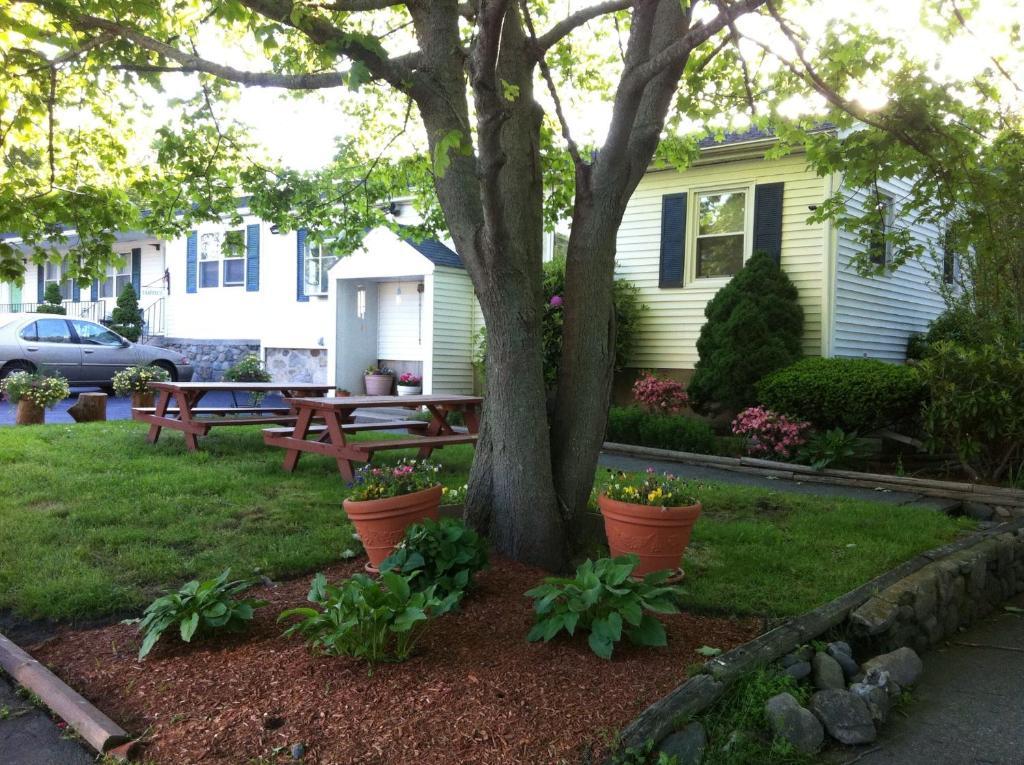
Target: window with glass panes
<point x="721" y="233"/>
<point x="55" y="274"/>
<point x="317" y="262"/>
<point x="118" y="275"/>
<point x="222" y="258"/>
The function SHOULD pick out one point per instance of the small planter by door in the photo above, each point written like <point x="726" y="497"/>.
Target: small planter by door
<point x="658" y="535"/>
<point x="143" y="399"/>
<point x="409" y="390"/>
<point x="381" y="523"/>
<point x="29" y="413"/>
<point x="379" y="385"/>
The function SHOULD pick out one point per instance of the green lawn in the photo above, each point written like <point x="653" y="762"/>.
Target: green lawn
<point x="95" y="522"/>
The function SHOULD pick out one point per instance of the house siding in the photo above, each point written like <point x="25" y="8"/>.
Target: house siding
<point x="668" y="330"/>
<point x="454" y="312"/>
<point x="874" y="316"/>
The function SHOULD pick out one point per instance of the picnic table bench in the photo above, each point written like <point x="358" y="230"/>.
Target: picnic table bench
<point x="338" y="418"/>
<point x="194" y="421"/>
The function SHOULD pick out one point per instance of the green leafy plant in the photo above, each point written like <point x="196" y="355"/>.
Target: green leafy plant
<point x="833" y="447"/>
<point x="41" y="389"/>
<point x="651" y="488"/>
<point x="53" y="301"/>
<point x="976" y="408"/>
<point x="959" y="324"/>
<point x="249" y="369"/>
<point x="446" y="554"/>
<point x="137" y="379"/>
<point x="368" y="619"/>
<point x="604" y="601"/>
<point x="860" y="395"/>
<point x="198" y="608"/>
<point x="633" y="425"/>
<point x="126" y="318"/>
<point x="374" y="370"/>
<point x="754" y="326"/>
<point x="405" y="477"/>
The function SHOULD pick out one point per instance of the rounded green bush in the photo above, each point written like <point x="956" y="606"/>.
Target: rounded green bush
<point x="860" y="395"/>
<point x="633" y="425"/>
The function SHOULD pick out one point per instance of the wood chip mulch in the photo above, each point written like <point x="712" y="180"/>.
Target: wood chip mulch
<point x="475" y="692"/>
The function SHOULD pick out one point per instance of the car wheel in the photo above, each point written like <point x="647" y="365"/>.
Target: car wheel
<point x="168" y="367"/>
<point x="16" y="366"/>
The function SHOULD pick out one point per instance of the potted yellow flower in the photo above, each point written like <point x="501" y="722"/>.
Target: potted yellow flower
<point x="34" y="393"/>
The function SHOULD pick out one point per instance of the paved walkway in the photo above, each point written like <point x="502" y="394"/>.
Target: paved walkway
<point x="967" y="709"/>
<point x="29" y="737"/>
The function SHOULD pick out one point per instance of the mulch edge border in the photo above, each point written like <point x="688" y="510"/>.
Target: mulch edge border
<point x="996" y="495"/>
<point x="699" y="692"/>
<point x="99" y="731"/>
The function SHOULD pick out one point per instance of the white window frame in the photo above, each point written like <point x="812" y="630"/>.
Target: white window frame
<point x="693" y="229"/>
<point x="67" y="286"/>
<point x="117" y="276"/>
<point x="320" y="257"/>
<point x="217" y="255"/>
<point x="888" y="222"/>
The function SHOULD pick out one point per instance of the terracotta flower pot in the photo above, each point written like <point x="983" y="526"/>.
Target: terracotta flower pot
<point x="378" y="385"/>
<point x="29" y="413"/>
<point x="381" y="523"/>
<point x="658" y="535"/>
<point x="142" y="399"/>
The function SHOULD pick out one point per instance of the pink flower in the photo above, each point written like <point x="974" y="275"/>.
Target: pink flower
<point x="556" y="301"/>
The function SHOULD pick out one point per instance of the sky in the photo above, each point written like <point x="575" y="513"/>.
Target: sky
<point x="302" y="132"/>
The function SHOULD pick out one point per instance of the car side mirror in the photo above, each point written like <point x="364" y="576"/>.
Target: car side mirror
<point x="125" y="343"/>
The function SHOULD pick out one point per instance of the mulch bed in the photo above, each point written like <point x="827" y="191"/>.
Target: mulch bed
<point x="476" y="691"/>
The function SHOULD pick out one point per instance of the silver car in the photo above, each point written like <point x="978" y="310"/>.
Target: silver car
<point x="86" y="353"/>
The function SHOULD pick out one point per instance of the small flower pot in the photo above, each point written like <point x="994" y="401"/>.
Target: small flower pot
<point x="379" y="385"/>
<point x="143" y="399"/>
<point x="342" y="393"/>
<point x="381" y="523"/>
<point x="409" y="390"/>
<point x="658" y="535"/>
<point x="29" y="413"/>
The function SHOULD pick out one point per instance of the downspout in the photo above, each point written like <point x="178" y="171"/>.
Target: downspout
<point x="830" y="266"/>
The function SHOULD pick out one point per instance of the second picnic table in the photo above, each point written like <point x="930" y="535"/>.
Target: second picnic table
<point x="338" y="418"/>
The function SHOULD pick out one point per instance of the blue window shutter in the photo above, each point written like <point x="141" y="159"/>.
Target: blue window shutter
<point x="191" y="261"/>
<point x="76" y="291"/>
<point x="137" y="270"/>
<point x="300" y="286"/>
<point x="40" y="284"/>
<point x="768" y="219"/>
<point x="673" y="240"/>
<point x="252" y="258"/>
<point x="95" y="291"/>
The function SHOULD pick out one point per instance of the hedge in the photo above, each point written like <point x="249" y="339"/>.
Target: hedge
<point x="633" y="425"/>
<point x="859" y="395"/>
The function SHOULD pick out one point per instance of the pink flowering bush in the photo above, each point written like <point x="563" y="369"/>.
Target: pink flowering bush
<point x="408" y="378"/>
<point x="770" y="434"/>
<point x="659" y="394"/>
<point x="406" y="477"/>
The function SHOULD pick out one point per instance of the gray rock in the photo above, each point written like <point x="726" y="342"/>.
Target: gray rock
<point x="880" y="679"/>
<point x="792" y="722"/>
<point x="686" y="745"/>
<point x="841" y="646"/>
<point x="798" y="671"/>
<point x="789" y="660"/>
<point x="876" y="698"/>
<point x="979" y="511"/>
<point x="826" y="672"/>
<point x="845" y="716"/>
<point x="875" y="616"/>
<point x="844" y="658"/>
<point x="903" y="665"/>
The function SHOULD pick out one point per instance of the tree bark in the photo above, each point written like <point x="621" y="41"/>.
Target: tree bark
<point x="90" y="407"/>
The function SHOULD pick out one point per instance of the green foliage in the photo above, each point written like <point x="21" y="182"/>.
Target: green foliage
<point x="832" y="448"/>
<point x="52" y="300"/>
<point x="633" y="425"/>
<point x="860" y="395"/>
<point x="126" y="318"/>
<point x="603" y="600"/>
<point x="137" y="379"/>
<point x="958" y="324"/>
<point x="249" y="369"/>
<point x="445" y="554"/>
<point x="198" y="609"/>
<point x="407" y="477"/>
<point x="641" y="755"/>
<point x="651" y="488"/>
<point x="754" y="326"/>
<point x="737" y="728"/>
<point x="368" y="619"/>
<point x="976" y="407"/>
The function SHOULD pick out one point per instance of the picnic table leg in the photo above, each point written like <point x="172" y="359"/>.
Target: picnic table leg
<point x="185" y="403"/>
<point x="333" y="419"/>
<point x="163" y="400"/>
<point x="438" y="426"/>
<point x="291" y="457"/>
<point x="472" y="418"/>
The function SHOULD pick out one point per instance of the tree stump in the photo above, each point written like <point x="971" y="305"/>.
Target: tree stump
<point x="28" y="413"/>
<point x="90" y="407"/>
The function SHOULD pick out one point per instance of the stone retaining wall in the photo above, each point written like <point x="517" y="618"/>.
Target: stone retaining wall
<point x="934" y="602"/>
<point x="303" y="365"/>
<point x="210" y="358"/>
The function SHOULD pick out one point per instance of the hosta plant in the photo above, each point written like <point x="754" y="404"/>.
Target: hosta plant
<point x="42" y="390"/>
<point x="137" y="379"/>
<point x="198" y="609"/>
<point x="445" y="553"/>
<point x="833" y="447"/>
<point x="375" y="620"/>
<point x="604" y="601"/>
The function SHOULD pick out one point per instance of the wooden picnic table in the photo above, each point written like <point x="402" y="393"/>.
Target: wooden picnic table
<point x="338" y="418"/>
<point x="195" y="421"/>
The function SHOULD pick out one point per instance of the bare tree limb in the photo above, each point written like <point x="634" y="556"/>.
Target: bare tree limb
<point x="567" y="25"/>
<point x="735" y="35"/>
<point x="356" y="6"/>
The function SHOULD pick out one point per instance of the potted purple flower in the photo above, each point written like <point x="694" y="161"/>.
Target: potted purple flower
<point x="410" y="384"/>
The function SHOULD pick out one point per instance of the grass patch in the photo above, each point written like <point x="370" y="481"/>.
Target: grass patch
<point x="96" y="522"/>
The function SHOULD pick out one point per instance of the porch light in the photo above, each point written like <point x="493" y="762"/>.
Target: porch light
<point x="361" y="302"/>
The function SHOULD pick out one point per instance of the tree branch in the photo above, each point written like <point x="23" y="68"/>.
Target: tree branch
<point x="567" y="25"/>
<point x="355" y="6"/>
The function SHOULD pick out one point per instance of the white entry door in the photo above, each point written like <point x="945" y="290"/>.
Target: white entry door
<point x="398" y="325"/>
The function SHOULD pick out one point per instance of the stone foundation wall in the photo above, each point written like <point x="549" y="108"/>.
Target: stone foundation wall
<point x="210" y="358"/>
<point x="303" y="365"/>
<point x="931" y="604"/>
